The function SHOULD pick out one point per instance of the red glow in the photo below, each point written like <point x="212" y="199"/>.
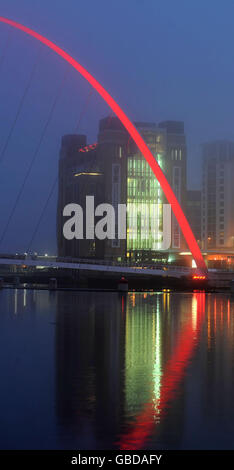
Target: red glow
<point x="184" y="225"/>
<point x="87" y="148"/>
<point x="172" y="376"/>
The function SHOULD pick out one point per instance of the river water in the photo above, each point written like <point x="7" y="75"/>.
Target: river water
<point x="92" y="370"/>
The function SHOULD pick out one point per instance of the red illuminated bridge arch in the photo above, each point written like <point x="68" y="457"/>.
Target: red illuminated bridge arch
<point x="184" y="225"/>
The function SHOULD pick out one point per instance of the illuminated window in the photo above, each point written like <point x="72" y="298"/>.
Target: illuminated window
<point x="143" y="193"/>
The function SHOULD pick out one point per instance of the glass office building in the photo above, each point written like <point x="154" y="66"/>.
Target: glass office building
<point x="144" y="206"/>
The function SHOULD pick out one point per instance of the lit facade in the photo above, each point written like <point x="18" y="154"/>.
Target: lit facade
<point x="143" y="194"/>
<point x="144" y="197"/>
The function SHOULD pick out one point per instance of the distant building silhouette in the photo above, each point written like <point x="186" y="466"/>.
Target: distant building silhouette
<point x="218" y="195"/>
<point x="193" y="210"/>
<point x="79" y="176"/>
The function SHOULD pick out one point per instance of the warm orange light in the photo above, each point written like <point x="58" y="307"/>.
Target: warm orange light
<point x="200" y="278"/>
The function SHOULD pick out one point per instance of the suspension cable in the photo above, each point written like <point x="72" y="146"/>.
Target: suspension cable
<point x="42" y="214"/>
<point x="34" y="157"/>
<point x="21" y="103"/>
<point x="83" y="112"/>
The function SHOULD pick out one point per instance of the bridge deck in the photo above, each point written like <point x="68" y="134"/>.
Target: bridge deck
<point x="175" y="271"/>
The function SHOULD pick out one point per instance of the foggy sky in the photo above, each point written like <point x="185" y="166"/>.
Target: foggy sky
<point x="168" y="59"/>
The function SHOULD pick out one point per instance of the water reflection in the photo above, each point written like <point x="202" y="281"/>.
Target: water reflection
<point x="128" y="366"/>
<point x="163" y="381"/>
<point x="143" y="370"/>
<point x="89" y="367"/>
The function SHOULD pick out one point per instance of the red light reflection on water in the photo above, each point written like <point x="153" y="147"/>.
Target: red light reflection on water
<point x="173" y="374"/>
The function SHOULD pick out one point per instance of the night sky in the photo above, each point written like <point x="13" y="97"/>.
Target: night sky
<point x="167" y="59"/>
